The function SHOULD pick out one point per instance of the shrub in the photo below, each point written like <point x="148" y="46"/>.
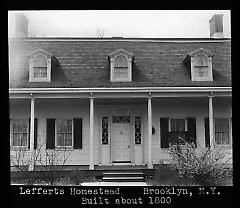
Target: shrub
<point x="78" y="176"/>
<point x="205" y="166"/>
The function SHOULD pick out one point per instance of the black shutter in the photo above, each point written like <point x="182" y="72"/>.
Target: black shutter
<point x="77" y="133"/>
<point x="35" y="132"/>
<point x="191" y="126"/>
<point x="50" y="143"/>
<point x="164" y="132"/>
<point x="207" y="135"/>
<point x="29" y="128"/>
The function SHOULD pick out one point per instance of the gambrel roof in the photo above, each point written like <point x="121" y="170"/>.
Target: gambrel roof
<point x="83" y="63"/>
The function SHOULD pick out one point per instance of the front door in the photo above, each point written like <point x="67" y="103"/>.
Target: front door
<point x="121" y="139"/>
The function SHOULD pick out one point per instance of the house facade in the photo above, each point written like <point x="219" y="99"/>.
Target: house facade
<point x="114" y="101"/>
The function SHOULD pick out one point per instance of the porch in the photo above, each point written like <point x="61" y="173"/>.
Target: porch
<point x="122" y="110"/>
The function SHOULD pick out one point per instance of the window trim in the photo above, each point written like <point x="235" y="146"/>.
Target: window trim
<point x="190" y="60"/>
<point x="11" y="135"/>
<point x="194" y="58"/>
<point x="129" y="57"/>
<point x="194" y="76"/>
<point x="64" y="147"/>
<point x="230" y="132"/>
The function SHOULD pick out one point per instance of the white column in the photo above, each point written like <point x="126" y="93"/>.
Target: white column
<point x="211" y="132"/>
<point x="91" y="165"/>
<point x="31" y="163"/>
<point x="150" y="165"/>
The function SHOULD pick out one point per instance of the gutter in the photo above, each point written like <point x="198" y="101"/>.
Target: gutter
<point x="114" y="90"/>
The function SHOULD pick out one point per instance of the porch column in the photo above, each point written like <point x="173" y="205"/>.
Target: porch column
<point x="150" y="165"/>
<point x="31" y="163"/>
<point x="91" y="165"/>
<point x="210" y="107"/>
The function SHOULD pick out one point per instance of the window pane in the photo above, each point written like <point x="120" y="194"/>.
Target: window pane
<point x="222" y="131"/>
<point x="121" y="119"/>
<point x="177" y="125"/>
<point x="201" y="71"/>
<point x="40" y="72"/>
<point x="64" y="133"/>
<point x="19" y="133"/>
<point x="120" y="72"/>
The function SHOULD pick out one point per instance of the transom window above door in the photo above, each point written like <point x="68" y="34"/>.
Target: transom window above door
<point x="121" y="119"/>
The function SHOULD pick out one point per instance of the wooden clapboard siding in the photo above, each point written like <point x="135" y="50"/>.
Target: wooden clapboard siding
<point x="63" y="108"/>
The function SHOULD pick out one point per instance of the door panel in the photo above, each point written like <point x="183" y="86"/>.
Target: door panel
<point x="121" y="141"/>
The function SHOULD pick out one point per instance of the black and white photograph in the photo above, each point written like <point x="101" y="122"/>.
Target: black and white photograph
<point x="104" y="99"/>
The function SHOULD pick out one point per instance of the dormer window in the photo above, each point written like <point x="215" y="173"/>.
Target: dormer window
<point x="201" y="65"/>
<point x="40" y="66"/>
<point x="121" y="66"/>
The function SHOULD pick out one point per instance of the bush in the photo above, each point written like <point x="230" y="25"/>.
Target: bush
<point x="203" y="166"/>
<point x="78" y="176"/>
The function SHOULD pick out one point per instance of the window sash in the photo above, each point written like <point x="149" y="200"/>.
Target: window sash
<point x="19" y="133"/>
<point x="177" y="125"/>
<point x="222" y="131"/>
<point x="40" y="72"/>
<point x="120" y="72"/>
<point x="202" y="71"/>
<point x="64" y="133"/>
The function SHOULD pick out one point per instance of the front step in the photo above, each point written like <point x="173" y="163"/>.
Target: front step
<point x="122" y="176"/>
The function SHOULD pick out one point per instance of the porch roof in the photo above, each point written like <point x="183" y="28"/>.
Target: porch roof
<point x="84" y="63"/>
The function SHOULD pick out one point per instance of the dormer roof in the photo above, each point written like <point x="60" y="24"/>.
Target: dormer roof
<point x="113" y="54"/>
<point x="40" y="51"/>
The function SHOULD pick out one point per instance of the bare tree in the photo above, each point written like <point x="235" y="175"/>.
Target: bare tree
<point x="48" y="161"/>
<point x="100" y="33"/>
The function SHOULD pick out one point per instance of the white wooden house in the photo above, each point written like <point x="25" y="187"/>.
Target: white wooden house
<point x="115" y="101"/>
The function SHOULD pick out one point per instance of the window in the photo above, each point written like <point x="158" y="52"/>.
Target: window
<point x="40" y="67"/>
<point x="121" y="119"/>
<point x="64" y="136"/>
<point x="177" y="131"/>
<point x="19" y="133"/>
<point x="177" y="125"/>
<point x="201" y="66"/>
<point x="200" y="62"/>
<point x="104" y="130"/>
<point x="222" y="132"/>
<point x="137" y="126"/>
<point x="121" y="66"/>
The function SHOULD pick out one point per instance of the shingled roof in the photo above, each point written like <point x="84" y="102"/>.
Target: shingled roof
<point x="83" y="63"/>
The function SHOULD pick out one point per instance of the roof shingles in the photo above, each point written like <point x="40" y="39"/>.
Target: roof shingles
<point x="85" y="63"/>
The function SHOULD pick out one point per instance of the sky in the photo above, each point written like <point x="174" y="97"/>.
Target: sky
<point x="121" y="23"/>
